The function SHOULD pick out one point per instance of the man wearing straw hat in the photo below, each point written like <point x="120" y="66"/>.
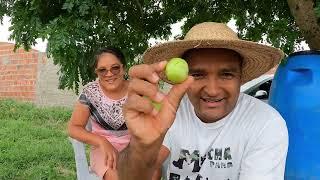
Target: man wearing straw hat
<point x="206" y="129"/>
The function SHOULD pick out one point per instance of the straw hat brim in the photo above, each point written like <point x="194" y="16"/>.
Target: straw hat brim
<point x="257" y="58"/>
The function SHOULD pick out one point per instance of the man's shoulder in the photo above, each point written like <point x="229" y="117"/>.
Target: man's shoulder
<point x="256" y="111"/>
<point x="255" y="105"/>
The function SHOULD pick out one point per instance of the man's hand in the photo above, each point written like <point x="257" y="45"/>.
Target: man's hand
<point x="146" y="125"/>
<point x="144" y="122"/>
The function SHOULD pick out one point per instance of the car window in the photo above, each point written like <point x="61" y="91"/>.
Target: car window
<point x="260" y="91"/>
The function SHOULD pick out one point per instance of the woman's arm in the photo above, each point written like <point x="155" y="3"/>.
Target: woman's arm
<point x="77" y="130"/>
<point x="77" y="126"/>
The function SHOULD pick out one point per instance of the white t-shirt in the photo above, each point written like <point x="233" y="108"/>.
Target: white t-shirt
<point x="250" y="143"/>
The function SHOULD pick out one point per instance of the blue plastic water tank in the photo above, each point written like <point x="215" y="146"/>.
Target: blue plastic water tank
<point x="295" y="93"/>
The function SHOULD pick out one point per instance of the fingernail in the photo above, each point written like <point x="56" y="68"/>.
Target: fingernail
<point x="162" y="63"/>
<point x="154" y="112"/>
<point x="159" y="97"/>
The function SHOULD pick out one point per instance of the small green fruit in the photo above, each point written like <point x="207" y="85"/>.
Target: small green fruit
<point x="177" y="70"/>
<point x="156" y="105"/>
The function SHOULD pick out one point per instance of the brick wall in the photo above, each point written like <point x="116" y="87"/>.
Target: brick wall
<point x="18" y="72"/>
<point x="31" y="76"/>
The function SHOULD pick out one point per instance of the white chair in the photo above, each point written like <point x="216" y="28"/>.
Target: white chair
<point x="83" y="169"/>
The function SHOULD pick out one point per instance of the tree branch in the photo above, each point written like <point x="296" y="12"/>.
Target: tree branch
<point x="305" y="17"/>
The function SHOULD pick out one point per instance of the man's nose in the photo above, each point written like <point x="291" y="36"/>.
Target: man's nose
<point x="212" y="87"/>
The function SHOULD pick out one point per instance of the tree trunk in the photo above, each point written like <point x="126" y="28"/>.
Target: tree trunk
<point x="305" y="17"/>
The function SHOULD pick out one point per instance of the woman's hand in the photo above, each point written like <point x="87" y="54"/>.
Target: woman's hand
<point x="110" y="154"/>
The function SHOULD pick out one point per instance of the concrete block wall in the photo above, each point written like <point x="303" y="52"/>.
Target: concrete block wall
<point x="47" y="92"/>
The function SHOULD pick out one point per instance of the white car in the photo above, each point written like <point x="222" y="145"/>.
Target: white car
<point x="259" y="87"/>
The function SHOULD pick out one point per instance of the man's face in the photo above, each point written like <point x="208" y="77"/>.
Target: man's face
<point x="217" y="74"/>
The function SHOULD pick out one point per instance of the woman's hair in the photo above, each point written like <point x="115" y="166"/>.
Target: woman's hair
<point x="113" y="50"/>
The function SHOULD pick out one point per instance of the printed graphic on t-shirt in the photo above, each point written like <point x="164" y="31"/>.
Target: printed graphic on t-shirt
<point x="215" y="158"/>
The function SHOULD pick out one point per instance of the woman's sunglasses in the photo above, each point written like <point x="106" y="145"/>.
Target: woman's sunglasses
<point x="103" y="71"/>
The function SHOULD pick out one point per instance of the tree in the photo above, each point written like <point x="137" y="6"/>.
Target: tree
<point x="75" y="29"/>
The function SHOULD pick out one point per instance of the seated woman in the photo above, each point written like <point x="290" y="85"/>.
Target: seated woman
<point x="101" y="102"/>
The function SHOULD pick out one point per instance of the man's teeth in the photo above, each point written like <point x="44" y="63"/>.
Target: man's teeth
<point x="212" y="100"/>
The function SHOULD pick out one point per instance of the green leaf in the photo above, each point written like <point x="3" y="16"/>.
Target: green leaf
<point x="75" y="29"/>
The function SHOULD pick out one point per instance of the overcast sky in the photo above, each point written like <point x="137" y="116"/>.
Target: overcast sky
<point x="4" y="35"/>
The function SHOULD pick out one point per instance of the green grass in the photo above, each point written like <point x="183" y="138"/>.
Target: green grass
<point x="33" y="142"/>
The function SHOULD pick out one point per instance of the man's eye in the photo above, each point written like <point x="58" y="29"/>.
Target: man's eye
<point x="228" y="75"/>
<point x="196" y="75"/>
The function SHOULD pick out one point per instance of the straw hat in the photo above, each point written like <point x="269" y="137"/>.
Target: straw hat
<point x="257" y="58"/>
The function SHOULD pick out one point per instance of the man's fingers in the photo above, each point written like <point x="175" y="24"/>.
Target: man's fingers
<point x="144" y="88"/>
<point x="144" y="79"/>
<point x="139" y="104"/>
<point x="171" y="103"/>
<point x="160" y="66"/>
<point x="147" y="72"/>
<point x="178" y="90"/>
